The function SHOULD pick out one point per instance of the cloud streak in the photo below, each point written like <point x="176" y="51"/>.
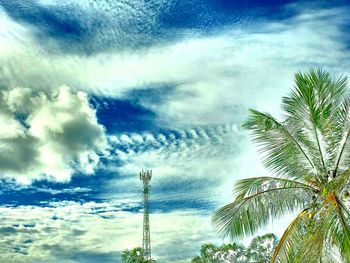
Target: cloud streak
<point x="221" y="74"/>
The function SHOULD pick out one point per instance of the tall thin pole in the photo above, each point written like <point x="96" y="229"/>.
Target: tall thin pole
<point x="146" y="176"/>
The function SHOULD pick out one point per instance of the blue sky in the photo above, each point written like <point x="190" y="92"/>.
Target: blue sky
<point x="92" y="92"/>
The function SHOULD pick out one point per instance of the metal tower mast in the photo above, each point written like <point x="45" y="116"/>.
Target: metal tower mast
<point x="146" y="176"/>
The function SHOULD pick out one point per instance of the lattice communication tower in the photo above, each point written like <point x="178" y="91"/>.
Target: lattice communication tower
<point x="146" y="176"/>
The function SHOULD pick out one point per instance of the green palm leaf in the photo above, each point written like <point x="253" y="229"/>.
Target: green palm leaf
<point x="339" y="136"/>
<point x="257" y="203"/>
<point x="309" y="108"/>
<point x="283" y="154"/>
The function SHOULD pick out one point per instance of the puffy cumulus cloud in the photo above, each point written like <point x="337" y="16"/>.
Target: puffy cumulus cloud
<point x="48" y="135"/>
<point x="96" y="232"/>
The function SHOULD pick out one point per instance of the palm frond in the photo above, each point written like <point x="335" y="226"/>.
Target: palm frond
<point x="314" y="233"/>
<point x="339" y="138"/>
<point x="285" y="248"/>
<point x="250" y="186"/>
<point x="283" y="153"/>
<point x="339" y="228"/>
<point x="254" y="207"/>
<point x="338" y="183"/>
<point x="331" y="254"/>
<point x="309" y="108"/>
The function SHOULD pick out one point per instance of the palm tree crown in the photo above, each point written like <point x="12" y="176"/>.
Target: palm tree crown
<point x="309" y="154"/>
<point x="260" y="250"/>
<point x="135" y="255"/>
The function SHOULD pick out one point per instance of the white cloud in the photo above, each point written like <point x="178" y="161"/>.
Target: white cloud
<point x="206" y="158"/>
<point x="48" y="135"/>
<point x="70" y="232"/>
<point x="217" y="77"/>
<point x="63" y="231"/>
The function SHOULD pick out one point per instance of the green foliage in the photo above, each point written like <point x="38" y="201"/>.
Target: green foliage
<point x="259" y="250"/>
<point x="308" y="153"/>
<point x="134" y="255"/>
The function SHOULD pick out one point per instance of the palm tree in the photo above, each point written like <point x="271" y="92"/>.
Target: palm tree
<point x="261" y="248"/>
<point x="232" y="253"/>
<point x="259" y="251"/>
<point x="308" y="152"/>
<point x="134" y="255"/>
<point x="207" y="254"/>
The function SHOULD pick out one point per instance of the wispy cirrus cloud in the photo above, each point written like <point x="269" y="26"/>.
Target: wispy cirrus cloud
<point x="221" y="74"/>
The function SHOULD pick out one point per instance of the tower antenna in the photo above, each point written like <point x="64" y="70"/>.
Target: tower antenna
<point x="146" y="176"/>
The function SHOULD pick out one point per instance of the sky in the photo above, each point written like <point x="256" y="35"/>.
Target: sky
<point x="92" y="92"/>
